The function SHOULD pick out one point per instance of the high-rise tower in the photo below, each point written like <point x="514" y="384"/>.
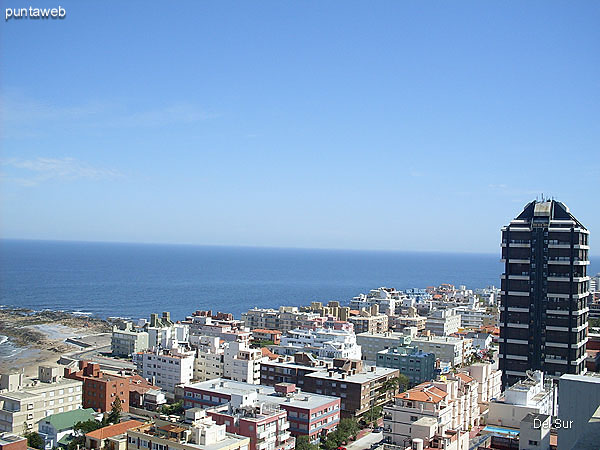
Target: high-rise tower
<point x="545" y="289"/>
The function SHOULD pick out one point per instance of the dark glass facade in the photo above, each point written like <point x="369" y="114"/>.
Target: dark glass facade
<point x="544" y="292"/>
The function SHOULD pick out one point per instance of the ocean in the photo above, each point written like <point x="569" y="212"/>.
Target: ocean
<point x="133" y="280"/>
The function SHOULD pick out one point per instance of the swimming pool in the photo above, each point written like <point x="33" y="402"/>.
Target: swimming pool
<point x="493" y="429"/>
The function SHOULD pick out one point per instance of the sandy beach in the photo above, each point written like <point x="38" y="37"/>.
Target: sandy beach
<point x="38" y="337"/>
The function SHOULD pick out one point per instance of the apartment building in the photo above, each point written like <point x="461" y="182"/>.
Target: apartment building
<point x="436" y="414"/>
<point x="451" y="350"/>
<point x="166" y="368"/>
<point x="535" y="394"/>
<point x="111" y="437"/>
<point x="100" y="388"/>
<point x="260" y="334"/>
<point x="369" y="321"/>
<point x="264" y="423"/>
<point x="443" y="321"/>
<point x="309" y="414"/>
<point x="388" y="300"/>
<point x="23" y="403"/>
<point x="545" y="292"/>
<point x="332" y="309"/>
<point x="242" y="363"/>
<point x="415" y="364"/>
<point x="128" y="339"/>
<point x="284" y="319"/>
<point x="489" y="383"/>
<point x="291" y="369"/>
<point x="372" y="343"/>
<point x="473" y="317"/>
<point x="359" y="387"/>
<point x="408" y="319"/>
<point x="209" y="362"/>
<point x="324" y="343"/>
<point x="203" y="434"/>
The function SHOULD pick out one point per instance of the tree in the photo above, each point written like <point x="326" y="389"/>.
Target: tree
<point x="594" y="323"/>
<point x="373" y="414"/>
<point x="174" y="408"/>
<point x="34" y="440"/>
<point x="114" y="416"/>
<point x="347" y="427"/>
<point x="303" y="443"/>
<point x="399" y="383"/>
<point x="260" y="343"/>
<point x="80" y="429"/>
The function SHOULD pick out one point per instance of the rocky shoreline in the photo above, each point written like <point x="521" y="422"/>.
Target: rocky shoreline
<point x="38" y="337"/>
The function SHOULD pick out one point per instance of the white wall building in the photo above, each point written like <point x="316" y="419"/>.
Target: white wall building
<point x="242" y="363"/>
<point x="442" y="322"/>
<point x="209" y="362"/>
<point x="323" y="342"/>
<point x="490" y="383"/>
<point x="578" y="407"/>
<point x="451" y="350"/>
<point x="532" y="395"/>
<point x="23" y="403"/>
<point x="166" y="368"/>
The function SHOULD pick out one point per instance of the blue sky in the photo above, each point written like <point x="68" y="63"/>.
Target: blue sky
<point x="402" y="125"/>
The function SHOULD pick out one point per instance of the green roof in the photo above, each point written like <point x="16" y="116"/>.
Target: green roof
<point x="64" y="441"/>
<point x="67" y="420"/>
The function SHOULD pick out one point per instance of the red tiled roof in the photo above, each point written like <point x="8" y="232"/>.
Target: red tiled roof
<point x="424" y="393"/>
<point x="113" y="430"/>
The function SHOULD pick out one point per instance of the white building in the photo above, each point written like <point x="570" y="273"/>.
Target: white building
<point x="442" y="322"/>
<point x="23" y="403"/>
<point x="534" y="432"/>
<point x="242" y="363"/>
<point x="425" y="414"/>
<point x="372" y="343"/>
<point x="387" y="299"/>
<point x="532" y="395"/>
<point x="209" y="362"/>
<point x="472" y="317"/>
<point x="579" y="409"/>
<point x="323" y="342"/>
<point x="450" y="350"/>
<point x="166" y="368"/>
<point x="490" y="383"/>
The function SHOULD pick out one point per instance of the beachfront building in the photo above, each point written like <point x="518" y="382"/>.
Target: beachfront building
<point x="128" y="339"/>
<point x="531" y="395"/>
<point x="324" y="343"/>
<point x="285" y="318"/>
<point x="201" y="323"/>
<point x="415" y="364"/>
<point x="58" y="429"/>
<point x="264" y="423"/>
<point x="23" y="403"/>
<point x="443" y="321"/>
<point x="333" y="309"/>
<point x="202" y="434"/>
<point x="308" y="414"/>
<point x="545" y="295"/>
<point x="166" y="368"/>
<point x="388" y="300"/>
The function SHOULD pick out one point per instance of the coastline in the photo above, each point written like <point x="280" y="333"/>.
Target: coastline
<point x="31" y="338"/>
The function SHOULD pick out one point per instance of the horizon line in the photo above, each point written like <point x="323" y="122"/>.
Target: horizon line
<point x="248" y="246"/>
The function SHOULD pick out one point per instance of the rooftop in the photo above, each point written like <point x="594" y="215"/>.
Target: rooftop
<point x="265" y="393"/>
<point x="361" y="377"/>
<point x="66" y="420"/>
<point x="113" y="430"/>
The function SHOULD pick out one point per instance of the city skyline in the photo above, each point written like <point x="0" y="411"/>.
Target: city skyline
<point x="304" y="125"/>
